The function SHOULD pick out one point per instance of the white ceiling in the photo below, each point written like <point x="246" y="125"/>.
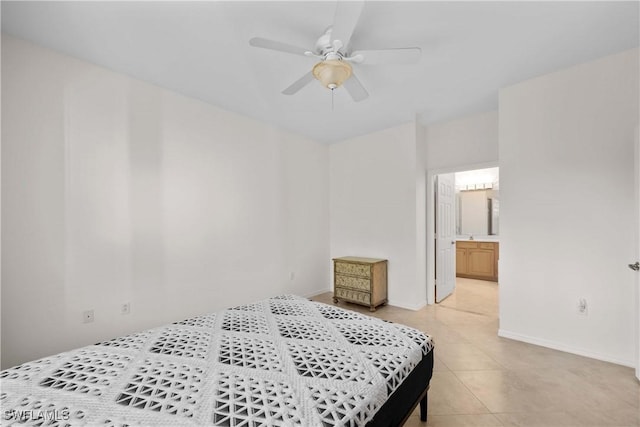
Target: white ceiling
<point x="200" y="49"/>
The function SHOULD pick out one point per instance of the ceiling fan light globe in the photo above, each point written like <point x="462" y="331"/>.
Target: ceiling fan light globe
<point x="332" y="73"/>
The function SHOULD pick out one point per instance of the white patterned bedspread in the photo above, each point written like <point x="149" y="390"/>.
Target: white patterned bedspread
<point x="284" y="361"/>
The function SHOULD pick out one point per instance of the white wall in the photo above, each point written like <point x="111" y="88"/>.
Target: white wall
<point x="470" y="140"/>
<point x="374" y="208"/>
<point x="115" y="190"/>
<point x="421" y="213"/>
<point x="566" y="208"/>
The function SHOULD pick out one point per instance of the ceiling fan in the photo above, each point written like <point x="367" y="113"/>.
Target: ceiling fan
<point x="333" y="48"/>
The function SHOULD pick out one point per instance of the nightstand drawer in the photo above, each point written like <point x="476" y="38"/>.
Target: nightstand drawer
<point x="355" y="296"/>
<point x="352" y="282"/>
<point x="362" y="270"/>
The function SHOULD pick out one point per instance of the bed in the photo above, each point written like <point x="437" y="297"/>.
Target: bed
<point x="283" y="361"/>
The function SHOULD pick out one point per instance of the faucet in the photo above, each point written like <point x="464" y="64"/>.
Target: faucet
<point x="470" y="236"/>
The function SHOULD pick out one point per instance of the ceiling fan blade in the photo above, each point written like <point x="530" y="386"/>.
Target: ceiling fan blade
<point x="355" y="88"/>
<point x="402" y="55"/>
<point x="275" y="45"/>
<point x="345" y="20"/>
<point x="299" y="84"/>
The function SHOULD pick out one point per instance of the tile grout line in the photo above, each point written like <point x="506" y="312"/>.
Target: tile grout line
<point x="473" y="394"/>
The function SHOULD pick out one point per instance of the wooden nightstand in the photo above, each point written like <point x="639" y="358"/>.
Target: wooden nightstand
<point x="360" y="280"/>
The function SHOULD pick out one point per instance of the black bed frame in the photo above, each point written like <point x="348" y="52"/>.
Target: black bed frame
<point x="413" y="391"/>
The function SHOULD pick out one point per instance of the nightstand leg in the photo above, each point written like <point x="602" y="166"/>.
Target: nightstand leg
<point x="372" y="309"/>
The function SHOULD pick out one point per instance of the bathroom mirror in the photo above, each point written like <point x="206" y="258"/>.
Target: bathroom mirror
<point x="477" y="203"/>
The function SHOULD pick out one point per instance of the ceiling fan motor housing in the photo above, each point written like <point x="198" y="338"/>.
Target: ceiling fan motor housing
<point x="323" y="45"/>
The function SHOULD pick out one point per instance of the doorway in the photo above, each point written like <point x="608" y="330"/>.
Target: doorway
<point x="476" y="192"/>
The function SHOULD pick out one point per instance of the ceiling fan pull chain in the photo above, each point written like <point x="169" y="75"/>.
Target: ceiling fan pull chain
<point x="332" y="98"/>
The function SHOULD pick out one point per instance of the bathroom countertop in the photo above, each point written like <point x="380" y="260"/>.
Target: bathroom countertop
<point x="478" y="239"/>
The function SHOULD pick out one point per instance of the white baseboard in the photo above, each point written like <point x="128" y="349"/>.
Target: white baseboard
<point x="566" y="348"/>
<point x="316" y="292"/>
<point x="414" y="307"/>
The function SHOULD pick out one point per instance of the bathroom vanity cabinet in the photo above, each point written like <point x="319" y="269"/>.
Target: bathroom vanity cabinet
<point x="477" y="259"/>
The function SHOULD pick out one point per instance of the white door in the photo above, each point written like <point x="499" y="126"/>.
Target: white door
<point x="445" y="236"/>
<point x="637" y="284"/>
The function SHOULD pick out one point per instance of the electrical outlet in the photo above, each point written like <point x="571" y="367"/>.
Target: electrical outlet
<point x="292" y="275"/>
<point x="125" y="308"/>
<point x="87" y="316"/>
<point x="582" y="307"/>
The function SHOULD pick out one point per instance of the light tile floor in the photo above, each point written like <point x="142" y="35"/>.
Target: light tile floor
<point x="481" y="379"/>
